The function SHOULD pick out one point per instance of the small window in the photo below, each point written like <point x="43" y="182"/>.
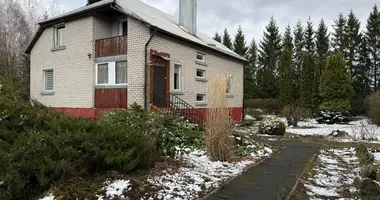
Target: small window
<point x="201" y="98"/>
<point x="176" y="76"/>
<point x="103" y="73"/>
<point x="48" y="80"/>
<point x="200" y="57"/>
<point x="229" y="80"/>
<point x="59" y="35"/>
<point x="121" y="72"/>
<point x="201" y="73"/>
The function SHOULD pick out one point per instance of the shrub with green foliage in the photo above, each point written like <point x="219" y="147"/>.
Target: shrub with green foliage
<point x="272" y="126"/>
<point x="335" y="85"/>
<point x="39" y="147"/>
<point x="294" y="114"/>
<point x="268" y="105"/>
<point x="374" y="108"/>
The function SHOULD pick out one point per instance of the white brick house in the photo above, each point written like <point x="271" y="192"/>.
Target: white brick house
<point x="113" y="53"/>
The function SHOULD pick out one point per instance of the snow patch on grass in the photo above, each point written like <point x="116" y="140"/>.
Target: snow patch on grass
<point x="376" y="156"/>
<point x="249" y="117"/>
<point x="115" y="189"/>
<point x="334" y="174"/>
<point x="50" y="197"/>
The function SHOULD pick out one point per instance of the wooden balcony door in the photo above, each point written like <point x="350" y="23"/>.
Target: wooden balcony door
<point x="159" y="79"/>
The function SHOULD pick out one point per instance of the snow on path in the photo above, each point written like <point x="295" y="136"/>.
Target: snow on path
<point x="335" y="172"/>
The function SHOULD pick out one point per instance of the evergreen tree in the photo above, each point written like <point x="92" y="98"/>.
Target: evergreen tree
<point x="286" y="68"/>
<point x="373" y="40"/>
<point x="335" y="88"/>
<point x="309" y="37"/>
<point x="250" y="88"/>
<point x="269" y="53"/>
<point x="307" y="78"/>
<point x="217" y="37"/>
<point x="352" y="40"/>
<point x="338" y="35"/>
<point x="361" y="79"/>
<point x="240" y="46"/>
<point x="322" y="49"/>
<point x="227" y="39"/>
<point x="299" y="45"/>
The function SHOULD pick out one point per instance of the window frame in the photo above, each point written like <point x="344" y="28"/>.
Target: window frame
<point x="204" y="98"/>
<point x="200" y="77"/>
<point x="56" y="28"/>
<point x="203" y="60"/>
<point x="126" y="76"/>
<point x="44" y="80"/>
<point x="179" y="77"/>
<point x="111" y="74"/>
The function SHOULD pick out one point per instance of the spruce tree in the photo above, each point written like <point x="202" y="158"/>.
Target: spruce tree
<point x="361" y="79"/>
<point x="352" y="40"/>
<point x="240" y="46"/>
<point x="227" y="39"/>
<point x="309" y="37"/>
<point x="217" y="37"/>
<point x="322" y="49"/>
<point x="286" y="68"/>
<point x="299" y="44"/>
<point x="338" y="34"/>
<point x="250" y="88"/>
<point x="269" y="53"/>
<point x="373" y="40"/>
<point x="307" y="78"/>
<point x="335" y="88"/>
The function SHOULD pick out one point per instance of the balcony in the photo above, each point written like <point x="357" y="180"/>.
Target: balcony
<point x="113" y="46"/>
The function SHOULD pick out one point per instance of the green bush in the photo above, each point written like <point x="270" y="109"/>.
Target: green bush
<point x="374" y="108"/>
<point x="39" y="147"/>
<point x="268" y="105"/>
<point x="272" y="127"/>
<point x="294" y="114"/>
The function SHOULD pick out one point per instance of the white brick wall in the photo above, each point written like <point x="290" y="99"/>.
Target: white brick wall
<point x="73" y="69"/>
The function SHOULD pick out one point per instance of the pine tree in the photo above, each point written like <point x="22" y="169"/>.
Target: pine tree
<point x="217" y="37"/>
<point x="227" y="39"/>
<point x="352" y="40"/>
<point x="322" y="49"/>
<point x="309" y="37"/>
<point x="286" y="68"/>
<point x="307" y="78"/>
<point x="269" y="53"/>
<point x="240" y="46"/>
<point x="250" y="88"/>
<point x="361" y="79"/>
<point x="299" y="45"/>
<point x="373" y="40"/>
<point x="338" y="35"/>
<point x="335" y="88"/>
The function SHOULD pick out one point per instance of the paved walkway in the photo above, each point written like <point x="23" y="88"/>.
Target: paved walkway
<point x="272" y="179"/>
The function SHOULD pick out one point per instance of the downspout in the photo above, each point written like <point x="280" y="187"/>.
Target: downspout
<point x="146" y="70"/>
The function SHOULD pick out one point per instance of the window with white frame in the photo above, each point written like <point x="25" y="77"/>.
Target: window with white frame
<point x="201" y="73"/>
<point x="59" y="35"/>
<point x="201" y="98"/>
<point x="229" y="79"/>
<point x="177" y="75"/>
<point x="111" y="73"/>
<point x="48" y="80"/>
<point x="201" y="57"/>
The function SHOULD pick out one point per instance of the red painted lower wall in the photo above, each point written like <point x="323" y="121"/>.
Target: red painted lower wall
<point x="236" y="113"/>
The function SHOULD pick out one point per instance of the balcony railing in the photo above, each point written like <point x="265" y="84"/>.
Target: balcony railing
<point x="111" y="46"/>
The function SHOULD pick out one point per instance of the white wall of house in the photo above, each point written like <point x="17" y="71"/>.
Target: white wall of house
<point x="72" y="67"/>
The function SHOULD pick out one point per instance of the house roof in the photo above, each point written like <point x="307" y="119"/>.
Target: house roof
<point x="156" y="18"/>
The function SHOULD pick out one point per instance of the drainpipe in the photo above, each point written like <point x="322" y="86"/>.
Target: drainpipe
<point x="146" y="70"/>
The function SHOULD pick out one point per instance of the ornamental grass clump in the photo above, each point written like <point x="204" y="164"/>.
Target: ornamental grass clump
<point x="218" y="138"/>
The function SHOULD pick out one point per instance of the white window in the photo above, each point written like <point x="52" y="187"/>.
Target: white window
<point x="201" y="57"/>
<point x="48" y="80"/>
<point x="201" y="98"/>
<point x="201" y="73"/>
<point x="121" y="72"/>
<point x="176" y="77"/>
<point x="111" y="73"/>
<point x="229" y="80"/>
<point x="59" y="35"/>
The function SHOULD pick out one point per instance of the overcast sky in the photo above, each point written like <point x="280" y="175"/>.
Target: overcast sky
<point x="253" y="15"/>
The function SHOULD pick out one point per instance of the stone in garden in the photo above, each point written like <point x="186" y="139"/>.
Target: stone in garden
<point x="370" y="172"/>
<point x="363" y="154"/>
<point x="272" y="126"/>
<point x="369" y="190"/>
<point x="357" y="182"/>
<point x="339" y="134"/>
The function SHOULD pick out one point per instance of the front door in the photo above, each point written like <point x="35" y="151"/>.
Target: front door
<point x="159" y="86"/>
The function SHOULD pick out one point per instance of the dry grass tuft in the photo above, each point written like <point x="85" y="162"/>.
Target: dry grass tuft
<point x="219" y="140"/>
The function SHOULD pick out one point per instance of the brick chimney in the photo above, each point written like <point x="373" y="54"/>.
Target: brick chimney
<point x="188" y="15"/>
